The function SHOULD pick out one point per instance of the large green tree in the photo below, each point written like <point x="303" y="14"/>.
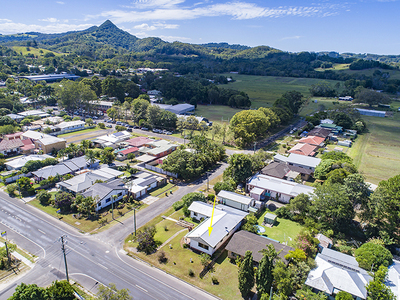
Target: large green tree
<point x="246" y="274"/>
<point x="249" y="126"/>
<point x="239" y="168"/>
<point x="376" y="288"/>
<point x="139" y="109"/>
<point x="73" y="95"/>
<point x="264" y="276"/>
<point x="111" y="292"/>
<point x="271" y="116"/>
<point x="29" y="292"/>
<point x="370" y="256"/>
<point x="371" y="97"/>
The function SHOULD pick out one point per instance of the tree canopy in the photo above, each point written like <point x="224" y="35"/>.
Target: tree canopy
<point x="370" y="256"/>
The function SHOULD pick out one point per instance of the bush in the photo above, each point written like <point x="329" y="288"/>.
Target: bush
<point x="11" y="188"/>
<point x="44" y="197"/>
<point x="102" y="126"/>
<point x="371" y="255"/>
<point x="191" y="273"/>
<point x="284" y="212"/>
<point x="145" y="239"/>
<point x="210" y="197"/>
<point x="162" y="259"/>
<point x="214" y="280"/>
<point x="177" y="205"/>
<point x="342" y="295"/>
<point x="186" y="211"/>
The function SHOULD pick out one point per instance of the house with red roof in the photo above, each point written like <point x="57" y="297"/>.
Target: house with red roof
<point x="29" y="146"/>
<point x="139" y="141"/>
<point x="304" y="149"/>
<point x="122" y="155"/>
<point x="313" y="140"/>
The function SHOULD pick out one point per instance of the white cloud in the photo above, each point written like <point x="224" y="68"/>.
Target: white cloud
<point x="60" y="2"/>
<point x="237" y="10"/>
<point x="5" y="20"/>
<point x="9" y="27"/>
<point x="296" y="37"/>
<point x="155" y="26"/>
<point x="155" y="3"/>
<point x="52" y="20"/>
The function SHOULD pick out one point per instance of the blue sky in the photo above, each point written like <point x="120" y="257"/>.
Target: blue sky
<point x="359" y="26"/>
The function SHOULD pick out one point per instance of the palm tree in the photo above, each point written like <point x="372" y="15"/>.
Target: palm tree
<point x="85" y="144"/>
<point x="90" y="156"/>
<point x="72" y="148"/>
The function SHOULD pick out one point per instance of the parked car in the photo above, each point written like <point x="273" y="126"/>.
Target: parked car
<point x="129" y="126"/>
<point x="118" y="123"/>
<point x="168" y="133"/>
<point x="109" y="126"/>
<point x="136" y="127"/>
<point x="129" y="129"/>
<point x="144" y="128"/>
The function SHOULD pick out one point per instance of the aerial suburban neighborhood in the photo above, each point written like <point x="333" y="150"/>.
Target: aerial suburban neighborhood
<point x="135" y="168"/>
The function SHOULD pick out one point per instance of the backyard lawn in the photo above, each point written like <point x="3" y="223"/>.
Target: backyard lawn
<point x="284" y="231"/>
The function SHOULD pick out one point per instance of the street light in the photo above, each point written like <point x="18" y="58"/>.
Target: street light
<point x="208" y="175"/>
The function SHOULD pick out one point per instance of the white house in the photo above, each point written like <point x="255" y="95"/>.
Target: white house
<point x="106" y="193"/>
<point x="337" y="272"/>
<point x="18" y="163"/>
<point x="236" y="201"/>
<point x="262" y="186"/>
<point x="393" y="279"/>
<point x="226" y="221"/>
<point x="70" y="126"/>
<point x="306" y="162"/>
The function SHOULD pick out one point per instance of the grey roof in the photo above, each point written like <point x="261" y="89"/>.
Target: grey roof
<point x="51" y="140"/>
<point x="332" y="274"/>
<point x="235" y="197"/>
<point x="101" y="190"/>
<point x="321" y="132"/>
<point x="51" y="77"/>
<point x="202" y="208"/>
<point x="243" y="241"/>
<point x="324" y="241"/>
<point x="225" y="219"/>
<point x="393" y="279"/>
<point x="76" y="163"/>
<point x="280" y="170"/>
<point x="48" y="171"/>
<point x="304" y="160"/>
<point x="81" y="182"/>
<point x="15" y="117"/>
<point x="339" y="258"/>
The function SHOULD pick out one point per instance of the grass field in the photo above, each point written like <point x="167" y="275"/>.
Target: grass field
<point x="264" y="90"/>
<point x="216" y="112"/>
<point x="34" y="51"/>
<point x="376" y="153"/>
<point x="335" y="67"/>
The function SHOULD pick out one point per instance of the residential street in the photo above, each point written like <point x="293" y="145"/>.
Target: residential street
<point x="92" y="258"/>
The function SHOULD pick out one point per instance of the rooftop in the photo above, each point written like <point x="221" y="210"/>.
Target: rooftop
<point x="280" y="170"/>
<point x="64" y="125"/>
<point x="10" y="144"/>
<point x="312" y="140"/>
<point x="139" y="141"/>
<point x="19" y="162"/>
<point x="303" y="149"/>
<point x="235" y="197"/>
<point x="243" y="241"/>
<point x="51" y="140"/>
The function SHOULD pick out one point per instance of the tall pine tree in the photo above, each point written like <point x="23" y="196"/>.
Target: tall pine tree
<point x="264" y="276"/>
<point x="246" y="274"/>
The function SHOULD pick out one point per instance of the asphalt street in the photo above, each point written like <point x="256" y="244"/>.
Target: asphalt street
<point x="92" y="259"/>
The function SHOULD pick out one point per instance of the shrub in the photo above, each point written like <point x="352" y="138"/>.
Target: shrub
<point x="186" y="211"/>
<point x="162" y="259"/>
<point x="342" y="295"/>
<point x="191" y="273"/>
<point x="44" y="197"/>
<point x="165" y="228"/>
<point x="102" y="126"/>
<point x="210" y="197"/>
<point x="371" y="255"/>
<point x="214" y="280"/>
<point x="284" y="212"/>
<point x="145" y="239"/>
<point x="177" y="205"/>
<point x="11" y="188"/>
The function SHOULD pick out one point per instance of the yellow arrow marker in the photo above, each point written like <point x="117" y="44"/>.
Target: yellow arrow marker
<point x="212" y="215"/>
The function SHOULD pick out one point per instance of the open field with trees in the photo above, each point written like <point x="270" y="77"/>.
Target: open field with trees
<point x="376" y="153"/>
<point x="264" y="90"/>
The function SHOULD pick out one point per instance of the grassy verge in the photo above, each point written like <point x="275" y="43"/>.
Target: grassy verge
<point x="165" y="188"/>
<point x="84" y="224"/>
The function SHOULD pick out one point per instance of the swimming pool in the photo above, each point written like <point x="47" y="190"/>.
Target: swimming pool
<point x="260" y="229"/>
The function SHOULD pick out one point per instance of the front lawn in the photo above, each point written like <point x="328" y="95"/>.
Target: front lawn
<point x="284" y="231"/>
<point x="180" y="260"/>
<point x="162" y="189"/>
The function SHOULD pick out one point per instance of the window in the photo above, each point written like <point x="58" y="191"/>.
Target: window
<point x="99" y="204"/>
<point x="108" y="200"/>
<point x="203" y="246"/>
<point x="195" y="214"/>
<point x="119" y="195"/>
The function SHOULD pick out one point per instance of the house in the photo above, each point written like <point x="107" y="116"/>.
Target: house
<point x="18" y="163"/>
<point x="106" y="193"/>
<point x="199" y="212"/>
<point x="324" y="241"/>
<point x="346" y="98"/>
<point x="306" y="162"/>
<point x="50" y="144"/>
<point x="82" y="182"/>
<point x="226" y="221"/>
<point x="11" y="147"/>
<point x="102" y="105"/>
<point x="17" y="118"/>
<point x="332" y="127"/>
<point x="51" y="171"/>
<point x="266" y="187"/>
<point x="34" y="135"/>
<point x="286" y="171"/>
<point x="304" y="149"/>
<point x="327" y="121"/>
<point x="13" y="136"/>
<point x="178" y="109"/>
<point x="393" y="279"/>
<point x="158" y="148"/>
<point x="199" y="119"/>
<point x="76" y="164"/>
<point x="370" y="112"/>
<point x="51" y="77"/>
<point x="139" y="141"/>
<point x="236" y="201"/>
<point x="122" y="155"/>
<point x="70" y="126"/>
<point x="35" y="112"/>
<point x="111" y="140"/>
<point x="337" y="272"/>
<point x="321" y="132"/>
<point x="143" y="182"/>
<point x="346" y="143"/>
<point x="313" y="140"/>
<point x="243" y="241"/>
<point x="29" y="146"/>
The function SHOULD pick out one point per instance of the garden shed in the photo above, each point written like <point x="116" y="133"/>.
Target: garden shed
<point x="269" y="219"/>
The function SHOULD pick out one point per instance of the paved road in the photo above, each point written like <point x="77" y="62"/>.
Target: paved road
<point x="92" y="258"/>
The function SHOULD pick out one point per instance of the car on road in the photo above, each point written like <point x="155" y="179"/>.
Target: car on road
<point x="109" y="126"/>
<point x="136" y="127"/>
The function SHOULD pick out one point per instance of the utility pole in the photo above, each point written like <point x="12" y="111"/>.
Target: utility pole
<point x="134" y="220"/>
<point x="255" y="143"/>
<point x="208" y="175"/>
<point x="8" y="255"/>
<point x="65" y="256"/>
